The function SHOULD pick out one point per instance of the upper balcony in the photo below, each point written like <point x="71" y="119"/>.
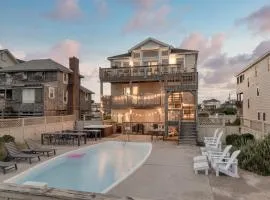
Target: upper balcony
<point x="173" y="72"/>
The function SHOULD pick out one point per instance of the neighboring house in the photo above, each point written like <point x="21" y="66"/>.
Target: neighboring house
<point x="7" y="59"/>
<point x="253" y="96"/>
<point x="96" y="110"/>
<point x="85" y="101"/>
<point x="154" y="83"/>
<point x="106" y="105"/>
<point x="210" y="105"/>
<point x="40" y="87"/>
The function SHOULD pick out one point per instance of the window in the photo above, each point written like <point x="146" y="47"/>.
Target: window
<point x="264" y="116"/>
<point x="248" y="82"/>
<point x="150" y="53"/>
<point x="86" y="96"/>
<point x="135" y="90"/>
<point x="125" y="64"/>
<point x="126" y="90"/>
<point x="65" y="78"/>
<point x="165" y="53"/>
<point x="9" y="94"/>
<point x="248" y="103"/>
<point x="259" y="116"/>
<point x="116" y="64"/>
<point x="65" y="96"/>
<point x="165" y="61"/>
<point x="238" y="80"/>
<point x="136" y="55"/>
<point x="51" y="92"/>
<point x="28" y="96"/>
<point x="258" y="92"/>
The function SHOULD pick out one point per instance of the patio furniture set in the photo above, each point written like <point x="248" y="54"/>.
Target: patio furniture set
<point x="213" y="156"/>
<point x="33" y="151"/>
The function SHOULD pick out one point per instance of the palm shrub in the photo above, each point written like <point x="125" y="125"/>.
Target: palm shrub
<point x="255" y="154"/>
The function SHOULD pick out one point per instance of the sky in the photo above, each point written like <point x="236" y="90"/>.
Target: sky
<point x="229" y="34"/>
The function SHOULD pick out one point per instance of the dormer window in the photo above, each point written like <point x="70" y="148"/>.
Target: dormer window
<point x="86" y="96"/>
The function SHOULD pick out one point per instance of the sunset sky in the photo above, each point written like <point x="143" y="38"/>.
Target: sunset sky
<point x="228" y="33"/>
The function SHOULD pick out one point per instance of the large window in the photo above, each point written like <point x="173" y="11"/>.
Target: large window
<point x="28" y="95"/>
<point x="135" y="90"/>
<point x="65" y="97"/>
<point x="65" y="78"/>
<point x="127" y="91"/>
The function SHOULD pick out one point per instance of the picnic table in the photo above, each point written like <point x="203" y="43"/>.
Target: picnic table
<point x="77" y="135"/>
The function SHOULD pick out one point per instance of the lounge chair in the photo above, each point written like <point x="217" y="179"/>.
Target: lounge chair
<point x="201" y="166"/>
<point x="7" y="165"/>
<point x="228" y="166"/>
<point x="35" y="148"/>
<point x="15" y="153"/>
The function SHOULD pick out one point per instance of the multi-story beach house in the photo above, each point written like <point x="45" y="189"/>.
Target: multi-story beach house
<point x="210" y="105"/>
<point x="154" y="85"/>
<point x="253" y="96"/>
<point x="42" y="87"/>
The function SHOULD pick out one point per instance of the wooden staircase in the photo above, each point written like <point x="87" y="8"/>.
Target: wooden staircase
<point x="188" y="133"/>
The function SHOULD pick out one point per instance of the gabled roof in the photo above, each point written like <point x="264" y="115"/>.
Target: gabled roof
<point x="120" y="56"/>
<point x="86" y="90"/>
<point x="210" y="100"/>
<point x="254" y="62"/>
<point x="149" y="40"/>
<point x="37" y="65"/>
<point x="10" y="55"/>
<point x="177" y="50"/>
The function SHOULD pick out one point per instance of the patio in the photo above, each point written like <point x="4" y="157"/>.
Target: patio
<point x="168" y="174"/>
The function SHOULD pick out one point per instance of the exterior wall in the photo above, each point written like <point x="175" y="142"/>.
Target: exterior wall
<point x="85" y="104"/>
<point x="259" y="103"/>
<point x="56" y="105"/>
<point x="117" y="89"/>
<point x="6" y="60"/>
<point x="138" y="115"/>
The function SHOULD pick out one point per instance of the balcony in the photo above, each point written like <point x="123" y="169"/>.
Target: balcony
<point x="147" y="73"/>
<point x="137" y="101"/>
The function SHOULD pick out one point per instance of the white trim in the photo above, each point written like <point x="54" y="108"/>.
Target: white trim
<point x="51" y="90"/>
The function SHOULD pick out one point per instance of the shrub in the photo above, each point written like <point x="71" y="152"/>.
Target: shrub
<point x="8" y="138"/>
<point x="255" y="154"/>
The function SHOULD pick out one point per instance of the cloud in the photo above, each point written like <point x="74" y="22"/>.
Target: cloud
<point x="102" y="7"/>
<point x="66" y="10"/>
<point x="258" y="21"/>
<point x="148" y="15"/>
<point x="207" y="46"/>
<point x="59" y="52"/>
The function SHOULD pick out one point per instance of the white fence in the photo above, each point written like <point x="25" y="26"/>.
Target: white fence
<point x="24" y="128"/>
<point x="208" y="125"/>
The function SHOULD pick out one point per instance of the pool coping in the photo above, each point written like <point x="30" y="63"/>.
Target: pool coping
<point x="131" y="171"/>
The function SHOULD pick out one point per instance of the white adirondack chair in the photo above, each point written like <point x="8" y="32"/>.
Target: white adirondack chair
<point x="212" y="146"/>
<point x="228" y="166"/>
<point x="215" y="156"/>
<point x="213" y="138"/>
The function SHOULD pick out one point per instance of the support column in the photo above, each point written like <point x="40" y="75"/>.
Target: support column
<point x="166" y="112"/>
<point x="101" y="101"/>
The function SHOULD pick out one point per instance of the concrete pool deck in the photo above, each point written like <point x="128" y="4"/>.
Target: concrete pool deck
<point x="168" y="174"/>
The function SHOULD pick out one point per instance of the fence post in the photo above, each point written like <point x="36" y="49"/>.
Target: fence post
<point x="23" y="126"/>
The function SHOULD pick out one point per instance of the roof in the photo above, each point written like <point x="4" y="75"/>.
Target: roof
<point x="173" y="50"/>
<point x="210" y="100"/>
<point x="254" y="62"/>
<point x="10" y="55"/>
<point x="86" y="90"/>
<point x="176" y="50"/>
<point x="148" y="40"/>
<point x="120" y="56"/>
<point x="37" y="65"/>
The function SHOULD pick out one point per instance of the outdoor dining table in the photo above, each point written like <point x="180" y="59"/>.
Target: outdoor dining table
<point x="74" y="134"/>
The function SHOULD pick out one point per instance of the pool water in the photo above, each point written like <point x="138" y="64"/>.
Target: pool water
<point x="97" y="168"/>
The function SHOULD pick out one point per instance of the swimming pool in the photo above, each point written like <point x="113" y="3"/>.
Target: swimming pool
<point x="97" y="168"/>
